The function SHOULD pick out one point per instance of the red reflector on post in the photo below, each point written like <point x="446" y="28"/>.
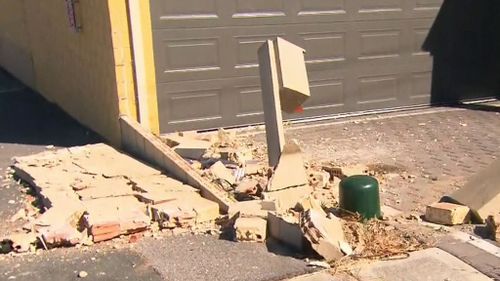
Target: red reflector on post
<point x="299" y="109"/>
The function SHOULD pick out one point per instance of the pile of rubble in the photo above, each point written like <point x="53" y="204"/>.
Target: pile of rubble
<point x="95" y="193"/>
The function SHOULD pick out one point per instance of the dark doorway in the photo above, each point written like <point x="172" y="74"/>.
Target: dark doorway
<point x="465" y="43"/>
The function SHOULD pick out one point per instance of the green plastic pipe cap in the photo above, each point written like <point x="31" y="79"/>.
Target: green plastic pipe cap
<point x="360" y="194"/>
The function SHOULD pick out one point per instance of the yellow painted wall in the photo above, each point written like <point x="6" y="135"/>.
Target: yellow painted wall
<point x="88" y="74"/>
<point x="15" y="52"/>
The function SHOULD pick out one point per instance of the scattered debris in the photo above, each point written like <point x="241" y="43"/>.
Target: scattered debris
<point x="221" y="173"/>
<point x="251" y="208"/>
<point x="321" y="264"/>
<point x="447" y="213"/>
<point x="95" y="193"/>
<point x="251" y="229"/>
<point x="493" y="227"/>
<point x="325" y="234"/>
<point x="319" y="179"/>
<point x="21" y="214"/>
<point x="187" y="146"/>
<point x="288" y="198"/>
<point x="377" y="239"/>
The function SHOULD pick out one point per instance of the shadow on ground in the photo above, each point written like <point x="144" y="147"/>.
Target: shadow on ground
<point x="27" y="118"/>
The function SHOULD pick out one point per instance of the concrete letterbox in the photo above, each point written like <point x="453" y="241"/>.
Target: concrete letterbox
<point x="292" y="74"/>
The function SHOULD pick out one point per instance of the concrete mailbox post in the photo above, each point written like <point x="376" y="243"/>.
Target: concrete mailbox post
<point x="292" y="73"/>
<point x="285" y="86"/>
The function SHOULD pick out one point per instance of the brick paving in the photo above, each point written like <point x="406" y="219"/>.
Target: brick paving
<point x="441" y="147"/>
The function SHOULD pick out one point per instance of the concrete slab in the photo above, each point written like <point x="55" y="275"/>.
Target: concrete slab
<point x="290" y="171"/>
<point x="484" y="261"/>
<point x="481" y="193"/>
<point x="431" y="264"/>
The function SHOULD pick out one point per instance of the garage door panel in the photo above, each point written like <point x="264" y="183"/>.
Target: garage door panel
<point x="259" y="8"/>
<point x="181" y="105"/>
<point x="221" y="13"/>
<point x="327" y="93"/>
<point x="378" y="88"/>
<point x="321" y="7"/>
<point x="249" y="100"/>
<point x="324" y="47"/>
<point x="426" y="8"/>
<point x="360" y="55"/>
<point x="420" y="87"/>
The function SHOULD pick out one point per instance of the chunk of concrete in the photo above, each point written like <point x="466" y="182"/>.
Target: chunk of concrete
<point x="251" y="229"/>
<point x="493" y="227"/>
<point x="185" y="212"/>
<point x="251" y="208"/>
<point x="59" y="224"/>
<point x="21" y="242"/>
<point x="220" y="172"/>
<point x="319" y="179"/>
<point x="61" y="235"/>
<point x="253" y="167"/>
<point x="246" y="188"/>
<point x="325" y="234"/>
<point x="288" y="198"/>
<point x="106" y="187"/>
<point x="192" y="149"/>
<point x="481" y="193"/>
<point x="447" y="213"/>
<point x="286" y="229"/>
<point x="428" y="264"/>
<point x="171" y="215"/>
<point x="111" y="217"/>
<point x="290" y="171"/>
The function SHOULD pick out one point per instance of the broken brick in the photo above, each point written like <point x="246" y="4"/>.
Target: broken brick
<point x="447" y="213"/>
<point x="319" y="179"/>
<point x="21" y="242"/>
<point x="493" y="227"/>
<point x="325" y="234"/>
<point x="105" y="214"/>
<point x="288" y="198"/>
<point x="251" y="208"/>
<point x="185" y="212"/>
<point x="247" y="188"/>
<point x="254" y="167"/>
<point x="188" y="147"/>
<point x="251" y="229"/>
<point x="222" y="173"/>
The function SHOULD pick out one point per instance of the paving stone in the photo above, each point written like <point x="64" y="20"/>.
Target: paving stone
<point x="431" y="264"/>
<point x="481" y="260"/>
